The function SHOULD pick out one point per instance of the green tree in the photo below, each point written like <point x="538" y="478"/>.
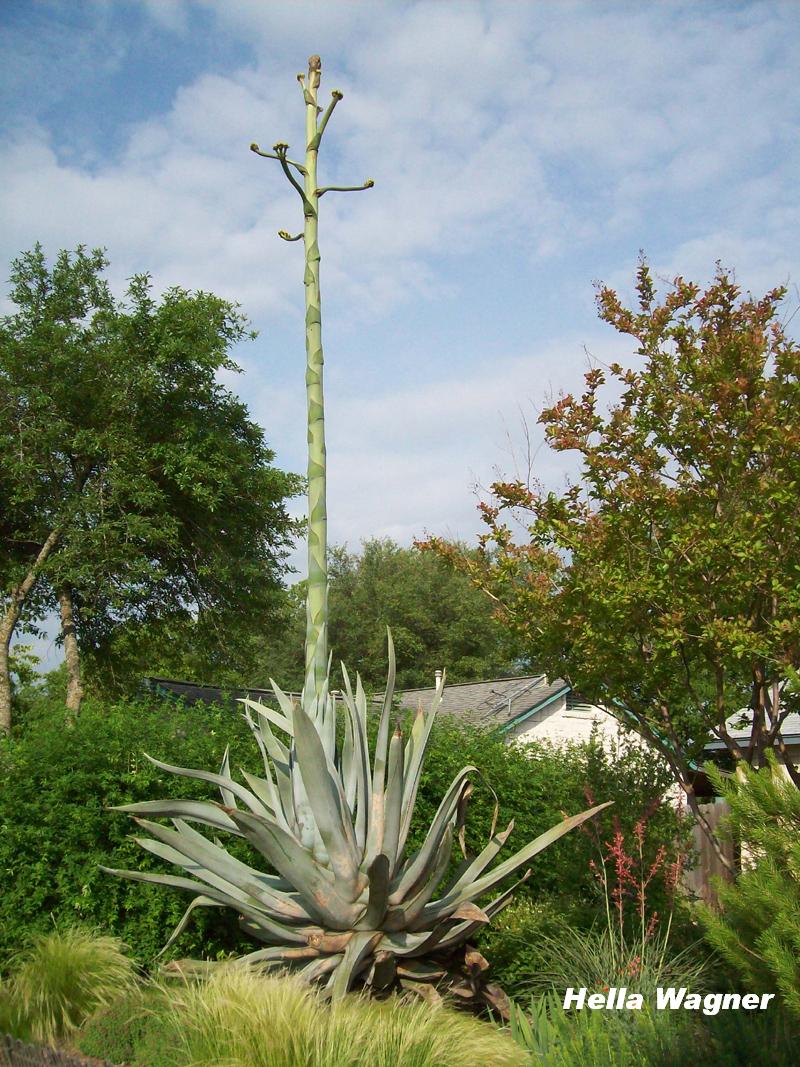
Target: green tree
<point x="665" y="582"/>
<point x="436" y="616"/>
<point x="135" y="489"/>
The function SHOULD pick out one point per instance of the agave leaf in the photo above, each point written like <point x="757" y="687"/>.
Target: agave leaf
<point x="279" y="932"/>
<point x="464" y="931"/>
<point x="329" y="806"/>
<point x="228" y="797"/>
<point x="394" y="800"/>
<point x="383" y="970"/>
<point x="378" y="893"/>
<point x="262" y="731"/>
<point x="347" y="762"/>
<point x="264" y="789"/>
<point x="483" y="859"/>
<point x="198" y="902"/>
<point x="423" y="726"/>
<point x="403" y="915"/>
<point x="358" y="949"/>
<point x="253" y="803"/>
<point x="317" y="969"/>
<point x="417" y="868"/>
<point x="196" y="810"/>
<point x="320" y="895"/>
<point x="462" y="890"/>
<point x="359" y="771"/>
<point x="382" y="739"/>
<point x="218" y="868"/>
<point x="362" y="752"/>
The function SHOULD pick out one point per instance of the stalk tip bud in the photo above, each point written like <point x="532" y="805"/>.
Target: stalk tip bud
<point x="314" y="63"/>
<point x="254" y="147"/>
<point x="337" y="94"/>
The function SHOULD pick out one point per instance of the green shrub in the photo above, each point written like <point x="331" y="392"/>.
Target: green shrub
<point x="61" y="979"/>
<point x="514" y="942"/>
<point x="8" y="1021"/>
<point x="134" y="1030"/>
<point x="742" y="1038"/>
<point x="55" y="826"/>
<point x="756" y="930"/>
<point x="535" y="784"/>
<point x="239" y="1019"/>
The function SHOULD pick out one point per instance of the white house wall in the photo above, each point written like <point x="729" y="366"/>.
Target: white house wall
<point x="560" y="724"/>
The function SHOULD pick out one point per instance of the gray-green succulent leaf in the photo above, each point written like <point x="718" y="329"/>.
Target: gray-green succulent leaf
<point x="332" y="890"/>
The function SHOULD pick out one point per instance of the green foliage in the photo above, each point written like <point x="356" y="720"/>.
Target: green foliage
<point x="515" y="943"/>
<point x="56" y="829"/>
<point x="605" y="1038"/>
<point x="741" y="1038"/>
<point x="436" y="615"/>
<point x="134" y="1029"/>
<point x="60" y="979"/>
<point x="664" y="582"/>
<point x="536" y="783"/>
<point x="55" y="826"/>
<point x="243" y="1020"/>
<point x="118" y="440"/>
<point x="599" y="959"/>
<point x="631" y="1038"/>
<point x="332" y="817"/>
<point x="756" y="930"/>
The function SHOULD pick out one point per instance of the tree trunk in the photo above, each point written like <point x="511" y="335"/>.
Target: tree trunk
<point x="9" y="622"/>
<point x="71" y="654"/>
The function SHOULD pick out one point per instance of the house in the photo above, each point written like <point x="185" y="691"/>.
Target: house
<point x="529" y="708"/>
<point x="739" y="727"/>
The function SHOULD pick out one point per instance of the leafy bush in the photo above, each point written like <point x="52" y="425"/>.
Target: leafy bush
<point x="55" y="826"/>
<point x="741" y="1038"/>
<point x="61" y="979"/>
<point x="515" y="942"/>
<point x="134" y="1029"/>
<point x="623" y="1038"/>
<point x="756" y="931"/>
<point x="535" y="784"/>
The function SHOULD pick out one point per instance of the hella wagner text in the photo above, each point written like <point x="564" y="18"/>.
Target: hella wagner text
<point x="666" y="998"/>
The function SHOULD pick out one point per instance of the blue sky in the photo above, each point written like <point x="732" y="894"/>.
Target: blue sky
<point x="520" y="150"/>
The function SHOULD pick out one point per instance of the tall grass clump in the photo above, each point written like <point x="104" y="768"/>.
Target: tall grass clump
<point x="7" y="1014"/>
<point x="62" y="978"/>
<point x="599" y="959"/>
<point x="555" y="1038"/>
<point x="241" y="1019"/>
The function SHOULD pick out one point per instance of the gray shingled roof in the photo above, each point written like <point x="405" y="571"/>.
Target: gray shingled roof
<point x="495" y="702"/>
<point x="790" y="730"/>
<point x="194" y="693"/>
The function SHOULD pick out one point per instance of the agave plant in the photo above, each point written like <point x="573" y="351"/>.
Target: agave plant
<point x="340" y="898"/>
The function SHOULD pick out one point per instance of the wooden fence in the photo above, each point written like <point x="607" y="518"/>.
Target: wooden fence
<point x="15" y="1053"/>
<point x="698" y="879"/>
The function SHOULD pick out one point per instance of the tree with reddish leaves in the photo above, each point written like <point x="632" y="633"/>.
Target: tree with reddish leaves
<point x="665" y="581"/>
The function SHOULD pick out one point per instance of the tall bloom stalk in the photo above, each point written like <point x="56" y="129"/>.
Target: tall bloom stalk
<point x="310" y="193"/>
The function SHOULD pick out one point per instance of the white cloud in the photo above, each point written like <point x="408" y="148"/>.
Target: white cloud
<point x="556" y="137"/>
